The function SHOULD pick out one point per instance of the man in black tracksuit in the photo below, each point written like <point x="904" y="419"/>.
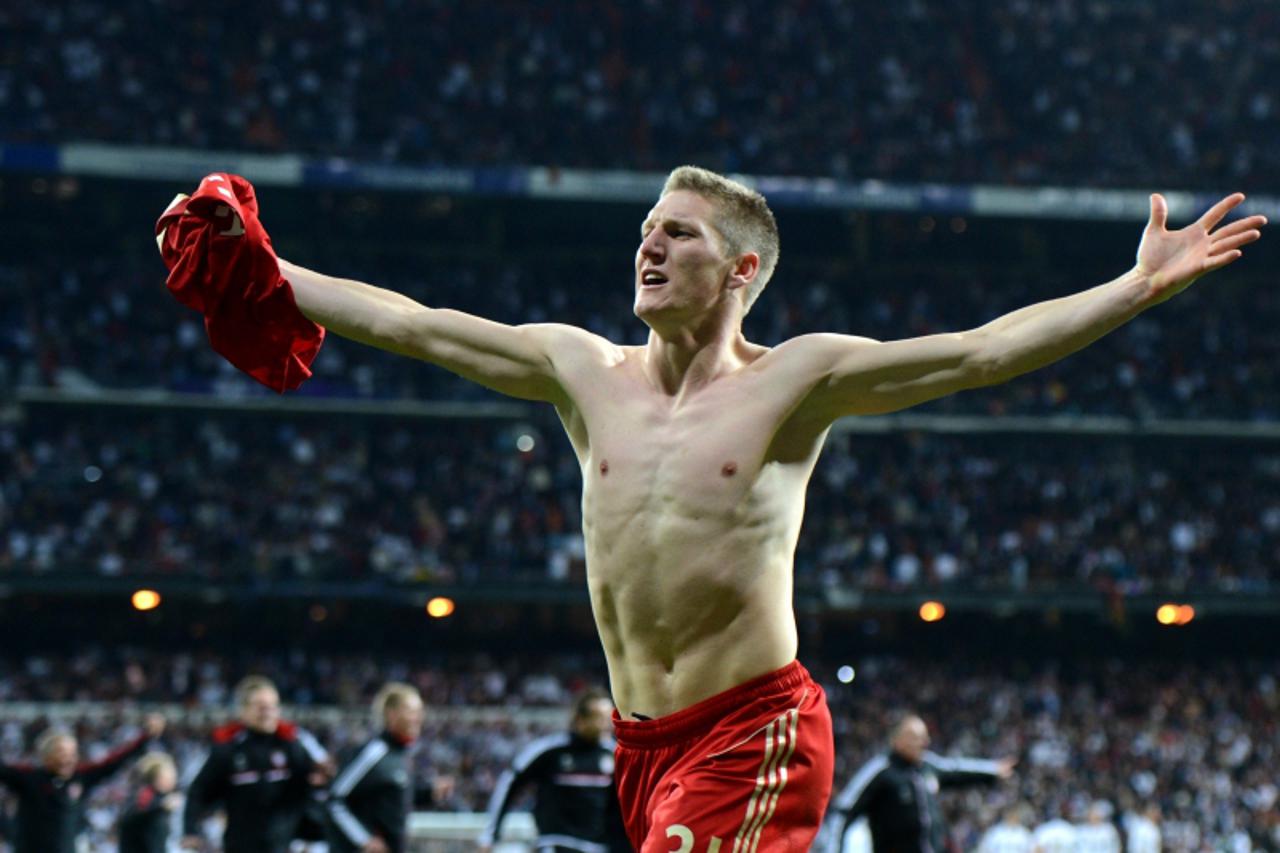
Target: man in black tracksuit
<point x="898" y="793"/>
<point x="370" y="799"/>
<point x="577" y="804"/>
<point x="145" y="819"/>
<point x="51" y="797"/>
<point x="261" y="770"/>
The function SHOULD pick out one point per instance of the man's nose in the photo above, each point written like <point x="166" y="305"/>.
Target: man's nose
<point x="652" y="246"/>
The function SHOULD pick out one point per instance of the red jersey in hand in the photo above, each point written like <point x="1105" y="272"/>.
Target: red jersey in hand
<point x="221" y="263"/>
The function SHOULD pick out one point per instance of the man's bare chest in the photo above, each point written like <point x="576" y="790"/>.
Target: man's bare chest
<point x="700" y="459"/>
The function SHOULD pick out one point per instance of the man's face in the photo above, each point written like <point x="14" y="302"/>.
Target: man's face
<point x="166" y="779"/>
<point x="680" y="265"/>
<point x="911" y="740"/>
<point x="405" y="720"/>
<point x="62" y="756"/>
<point x="596" y="721"/>
<point x="261" y="711"/>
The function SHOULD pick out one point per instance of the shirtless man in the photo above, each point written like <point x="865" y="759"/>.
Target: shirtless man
<point x="696" y="450"/>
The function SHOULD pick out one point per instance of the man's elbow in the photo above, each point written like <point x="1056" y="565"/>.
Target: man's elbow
<point x="404" y="330"/>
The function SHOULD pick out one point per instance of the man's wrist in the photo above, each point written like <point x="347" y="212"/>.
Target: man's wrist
<point x="1140" y="288"/>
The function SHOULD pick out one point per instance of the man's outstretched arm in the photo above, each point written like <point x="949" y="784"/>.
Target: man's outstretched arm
<point x="860" y="376"/>
<point x="519" y="361"/>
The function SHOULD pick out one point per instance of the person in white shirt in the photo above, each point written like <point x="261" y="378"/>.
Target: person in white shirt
<point x="1054" y="836"/>
<point x="1010" y="835"/>
<point x="1142" y="831"/>
<point x="1097" y="834"/>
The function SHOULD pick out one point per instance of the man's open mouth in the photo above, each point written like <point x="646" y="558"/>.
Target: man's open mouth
<point x="653" y="279"/>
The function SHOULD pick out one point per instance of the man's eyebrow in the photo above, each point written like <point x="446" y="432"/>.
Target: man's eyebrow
<point x="673" y="220"/>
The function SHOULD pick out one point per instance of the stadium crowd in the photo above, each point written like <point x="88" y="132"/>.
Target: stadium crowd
<point x="1197" y="741"/>
<point x="1098" y="92"/>
<point x="1209" y="354"/>
<point x="364" y="499"/>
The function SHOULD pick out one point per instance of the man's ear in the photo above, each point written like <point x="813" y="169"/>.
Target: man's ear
<point x="745" y="270"/>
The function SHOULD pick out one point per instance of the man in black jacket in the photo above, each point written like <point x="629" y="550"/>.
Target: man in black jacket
<point x="898" y="793"/>
<point x="261" y="769"/>
<point x="577" y="804"/>
<point x="145" y="820"/>
<point x="369" y="801"/>
<point x="51" y="796"/>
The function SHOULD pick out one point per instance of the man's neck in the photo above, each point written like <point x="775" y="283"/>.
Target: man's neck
<point x="679" y="361"/>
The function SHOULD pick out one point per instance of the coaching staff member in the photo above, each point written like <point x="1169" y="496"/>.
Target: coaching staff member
<point x="51" y="796"/>
<point x="370" y="799"/>
<point x="572" y="774"/>
<point x="144" y="823"/>
<point x="898" y="793"/>
<point x="261" y="770"/>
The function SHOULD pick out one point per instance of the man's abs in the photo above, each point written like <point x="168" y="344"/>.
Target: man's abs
<point x="677" y="634"/>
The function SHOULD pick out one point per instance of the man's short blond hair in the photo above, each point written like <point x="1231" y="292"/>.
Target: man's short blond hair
<point x="743" y="219"/>
<point x="50" y="738"/>
<point x="250" y="685"/>
<point x="148" y="768"/>
<point x="394" y="694"/>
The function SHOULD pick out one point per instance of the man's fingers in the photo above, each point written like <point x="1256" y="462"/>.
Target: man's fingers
<point x="1217" y="262"/>
<point x="1159" y="211"/>
<point x="1235" y="241"/>
<point x="1214" y="215"/>
<point x="1248" y="224"/>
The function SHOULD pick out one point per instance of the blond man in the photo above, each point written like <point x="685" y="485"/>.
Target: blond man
<point x="696" y="449"/>
<point x="370" y="800"/>
<point x="51" y="795"/>
<point x="260" y="770"/>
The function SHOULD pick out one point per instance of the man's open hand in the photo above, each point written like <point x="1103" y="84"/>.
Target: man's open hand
<point x="1171" y="260"/>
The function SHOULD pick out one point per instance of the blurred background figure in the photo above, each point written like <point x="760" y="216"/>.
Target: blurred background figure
<point x="1055" y="835"/>
<point x="146" y="822"/>
<point x="373" y="793"/>
<point x="261" y="770"/>
<point x="1010" y="835"/>
<point x="898" y="792"/>
<point x="1097" y="834"/>
<point x="1142" y="830"/>
<point x="571" y="777"/>
<point x="51" y="796"/>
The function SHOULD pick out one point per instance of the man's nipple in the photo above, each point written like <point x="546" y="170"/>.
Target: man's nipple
<point x="604" y="467"/>
<point x="729" y="469"/>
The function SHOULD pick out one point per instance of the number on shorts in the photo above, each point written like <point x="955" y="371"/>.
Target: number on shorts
<point x="685" y="834"/>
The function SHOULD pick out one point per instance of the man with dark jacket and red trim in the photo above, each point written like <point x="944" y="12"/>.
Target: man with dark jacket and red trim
<point x="576" y="802"/>
<point x="51" y="796"/>
<point x="145" y="821"/>
<point x="370" y="800"/>
<point x="897" y="792"/>
<point x="261" y="770"/>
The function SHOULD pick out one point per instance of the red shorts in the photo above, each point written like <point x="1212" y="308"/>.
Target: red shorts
<point x="746" y="771"/>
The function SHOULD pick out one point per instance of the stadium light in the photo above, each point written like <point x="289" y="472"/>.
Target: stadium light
<point x="145" y="599"/>
<point x="932" y="611"/>
<point x="440" y="607"/>
<point x="1175" y="614"/>
<point x="845" y="674"/>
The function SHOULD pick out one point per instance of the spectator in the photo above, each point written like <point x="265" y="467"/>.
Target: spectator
<point x="1010" y="835"/>
<point x="1142" y="830"/>
<point x="1056" y="835"/>
<point x="1097" y="834"/>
